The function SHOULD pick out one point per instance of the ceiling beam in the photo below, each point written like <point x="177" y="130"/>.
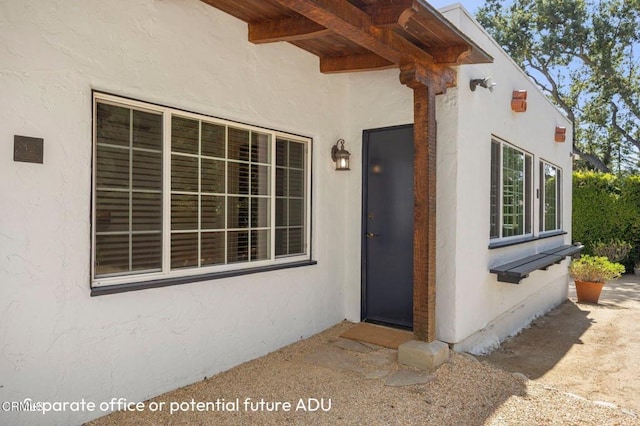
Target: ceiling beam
<point x="366" y="62"/>
<point x="347" y="20"/>
<point x="286" y="29"/>
<point x="387" y="13"/>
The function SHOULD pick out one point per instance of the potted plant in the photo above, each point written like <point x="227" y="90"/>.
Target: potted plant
<point x="590" y="273"/>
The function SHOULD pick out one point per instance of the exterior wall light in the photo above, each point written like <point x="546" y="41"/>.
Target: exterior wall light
<point x="561" y="134"/>
<point x="487" y="83"/>
<point x="340" y="155"/>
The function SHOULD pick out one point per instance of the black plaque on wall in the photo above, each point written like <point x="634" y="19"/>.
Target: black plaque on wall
<point x="27" y="149"/>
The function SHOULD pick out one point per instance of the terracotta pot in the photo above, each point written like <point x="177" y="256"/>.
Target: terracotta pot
<point x="588" y="292"/>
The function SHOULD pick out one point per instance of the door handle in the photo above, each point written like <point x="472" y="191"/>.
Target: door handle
<point x="370" y="235"/>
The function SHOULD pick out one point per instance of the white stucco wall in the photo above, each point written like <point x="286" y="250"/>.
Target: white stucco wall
<point x="56" y="342"/>
<point x="485" y="310"/>
<point x="59" y="344"/>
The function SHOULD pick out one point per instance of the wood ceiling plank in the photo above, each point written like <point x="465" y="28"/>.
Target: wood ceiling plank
<point x="366" y="62"/>
<point x="356" y="25"/>
<point x="287" y="29"/>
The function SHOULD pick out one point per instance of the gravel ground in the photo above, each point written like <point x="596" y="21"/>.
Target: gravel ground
<point x="462" y="391"/>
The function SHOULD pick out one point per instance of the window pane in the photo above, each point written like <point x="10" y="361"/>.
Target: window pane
<point x="146" y="251"/>
<point x="212" y="176"/>
<point x="212" y="212"/>
<point x="147" y="212"/>
<point x="296" y="212"/>
<point x="550" y="198"/>
<point x="281" y="182"/>
<point x="112" y="211"/>
<point x="238" y="144"/>
<point x="112" y="167"/>
<point x="513" y="192"/>
<point x="184" y="250"/>
<point x="260" y="180"/>
<point x="296" y="155"/>
<point x="296" y="183"/>
<point x="296" y="241"/>
<point x="184" y="173"/>
<point x="238" y="178"/>
<point x="494" y="214"/>
<point x="147" y="170"/>
<point x="260" y="210"/>
<point x="112" y="254"/>
<point x="260" y="146"/>
<point x="213" y="137"/>
<point x="184" y="212"/>
<point x="112" y="125"/>
<point x="528" y="199"/>
<point x="212" y="251"/>
<point x="184" y="135"/>
<point x="147" y="130"/>
<point x="282" y="241"/>
<point x="282" y="152"/>
<point x="260" y="245"/>
<point x="238" y="246"/>
<point x="238" y="215"/>
<point x="282" y="212"/>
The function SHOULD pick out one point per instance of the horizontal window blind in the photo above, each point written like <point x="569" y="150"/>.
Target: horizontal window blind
<point x="176" y="193"/>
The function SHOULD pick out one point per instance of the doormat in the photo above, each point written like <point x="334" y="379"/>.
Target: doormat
<point x="378" y="335"/>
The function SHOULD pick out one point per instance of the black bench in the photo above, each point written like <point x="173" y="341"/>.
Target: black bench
<point x="516" y="271"/>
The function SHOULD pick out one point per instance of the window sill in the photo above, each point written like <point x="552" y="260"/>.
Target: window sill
<point x="501" y="244"/>
<point x="166" y="282"/>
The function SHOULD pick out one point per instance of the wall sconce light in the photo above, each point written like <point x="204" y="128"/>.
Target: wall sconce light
<point x="340" y="155"/>
<point x="519" y="101"/>
<point x="487" y="83"/>
<point x="561" y="134"/>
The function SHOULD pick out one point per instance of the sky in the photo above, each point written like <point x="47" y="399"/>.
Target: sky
<point x="470" y="5"/>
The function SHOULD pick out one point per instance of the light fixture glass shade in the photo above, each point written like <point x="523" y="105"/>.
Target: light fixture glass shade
<point x="340" y="155"/>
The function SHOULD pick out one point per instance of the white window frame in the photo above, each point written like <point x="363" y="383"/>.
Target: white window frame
<point x="559" y="183"/>
<point x="166" y="271"/>
<point x="528" y="212"/>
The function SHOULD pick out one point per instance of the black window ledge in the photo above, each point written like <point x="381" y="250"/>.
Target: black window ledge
<point x="525" y="240"/>
<point x="166" y="282"/>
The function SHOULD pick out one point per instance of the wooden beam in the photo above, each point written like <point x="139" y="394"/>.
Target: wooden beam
<point x="287" y="29"/>
<point x="383" y="13"/>
<point x="438" y="79"/>
<point x="347" y="20"/>
<point x="350" y="63"/>
<point x="447" y="44"/>
<point x="424" y="210"/>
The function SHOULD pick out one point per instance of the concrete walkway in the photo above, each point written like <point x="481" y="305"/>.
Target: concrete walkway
<point x="589" y="350"/>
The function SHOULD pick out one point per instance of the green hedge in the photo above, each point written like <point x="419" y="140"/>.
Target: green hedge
<point x="607" y="207"/>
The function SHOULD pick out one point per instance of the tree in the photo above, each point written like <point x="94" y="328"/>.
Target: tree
<point x="585" y="55"/>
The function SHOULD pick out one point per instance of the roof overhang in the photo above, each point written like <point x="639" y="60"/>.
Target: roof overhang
<point x="362" y="35"/>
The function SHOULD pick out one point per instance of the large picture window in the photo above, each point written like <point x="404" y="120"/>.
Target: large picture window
<point x="511" y="194"/>
<point x="177" y="193"/>
<point x="550" y="197"/>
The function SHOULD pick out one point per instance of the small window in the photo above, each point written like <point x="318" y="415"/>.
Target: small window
<point x="179" y="194"/>
<point x="550" y="197"/>
<point x="511" y="194"/>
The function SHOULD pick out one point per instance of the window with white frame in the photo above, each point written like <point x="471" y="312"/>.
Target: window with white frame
<point x="177" y="194"/>
<point x="550" y="197"/>
<point x="511" y="194"/>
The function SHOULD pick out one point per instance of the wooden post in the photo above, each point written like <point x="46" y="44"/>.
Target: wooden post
<point x="424" y="214"/>
<point x="424" y="193"/>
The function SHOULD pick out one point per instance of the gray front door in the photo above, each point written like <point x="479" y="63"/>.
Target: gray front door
<point x="387" y="264"/>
